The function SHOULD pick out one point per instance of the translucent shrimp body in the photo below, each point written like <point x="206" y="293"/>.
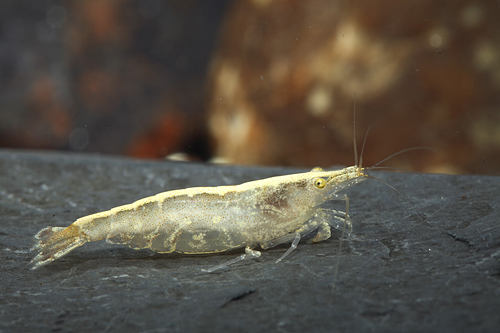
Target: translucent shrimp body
<point x="199" y="220"/>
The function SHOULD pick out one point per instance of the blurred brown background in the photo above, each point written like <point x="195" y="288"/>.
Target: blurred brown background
<point x="256" y="81"/>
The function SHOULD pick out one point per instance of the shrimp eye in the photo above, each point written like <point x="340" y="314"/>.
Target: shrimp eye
<point x="319" y="183"/>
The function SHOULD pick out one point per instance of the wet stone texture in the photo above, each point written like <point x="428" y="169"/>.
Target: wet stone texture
<point x="398" y="272"/>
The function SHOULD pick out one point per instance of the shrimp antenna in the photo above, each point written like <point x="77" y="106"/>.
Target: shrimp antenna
<point x="401" y="194"/>
<point x="363" y="148"/>
<point x="354" y="138"/>
<point x="400" y="152"/>
<point x="354" y="133"/>
<point x="397" y="169"/>
<point x="336" y="272"/>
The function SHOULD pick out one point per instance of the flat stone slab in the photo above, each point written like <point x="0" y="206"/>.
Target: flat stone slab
<point x="438" y="270"/>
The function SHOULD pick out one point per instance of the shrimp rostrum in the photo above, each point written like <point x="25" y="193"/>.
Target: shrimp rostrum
<point x="198" y="220"/>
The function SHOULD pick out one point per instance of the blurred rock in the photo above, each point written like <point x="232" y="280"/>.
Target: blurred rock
<point x="425" y="73"/>
<point x="34" y="97"/>
<point x="117" y="77"/>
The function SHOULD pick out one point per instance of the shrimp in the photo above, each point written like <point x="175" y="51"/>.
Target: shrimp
<point x="201" y="220"/>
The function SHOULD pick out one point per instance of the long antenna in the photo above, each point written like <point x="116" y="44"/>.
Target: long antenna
<point x="354" y="132"/>
<point x="402" y="196"/>
<point x="400" y="152"/>
<point x="363" y="148"/>
<point x="336" y="271"/>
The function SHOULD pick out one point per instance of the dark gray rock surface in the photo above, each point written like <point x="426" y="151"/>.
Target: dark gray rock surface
<point x="399" y="271"/>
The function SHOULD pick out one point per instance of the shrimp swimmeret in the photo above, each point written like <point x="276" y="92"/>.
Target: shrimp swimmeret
<point x="197" y="220"/>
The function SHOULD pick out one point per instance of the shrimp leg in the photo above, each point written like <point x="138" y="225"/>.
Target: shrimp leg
<point x="323" y="222"/>
<point x="249" y="253"/>
<point x="323" y="233"/>
<point x="291" y="248"/>
<point x="336" y="218"/>
<point x="318" y="221"/>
